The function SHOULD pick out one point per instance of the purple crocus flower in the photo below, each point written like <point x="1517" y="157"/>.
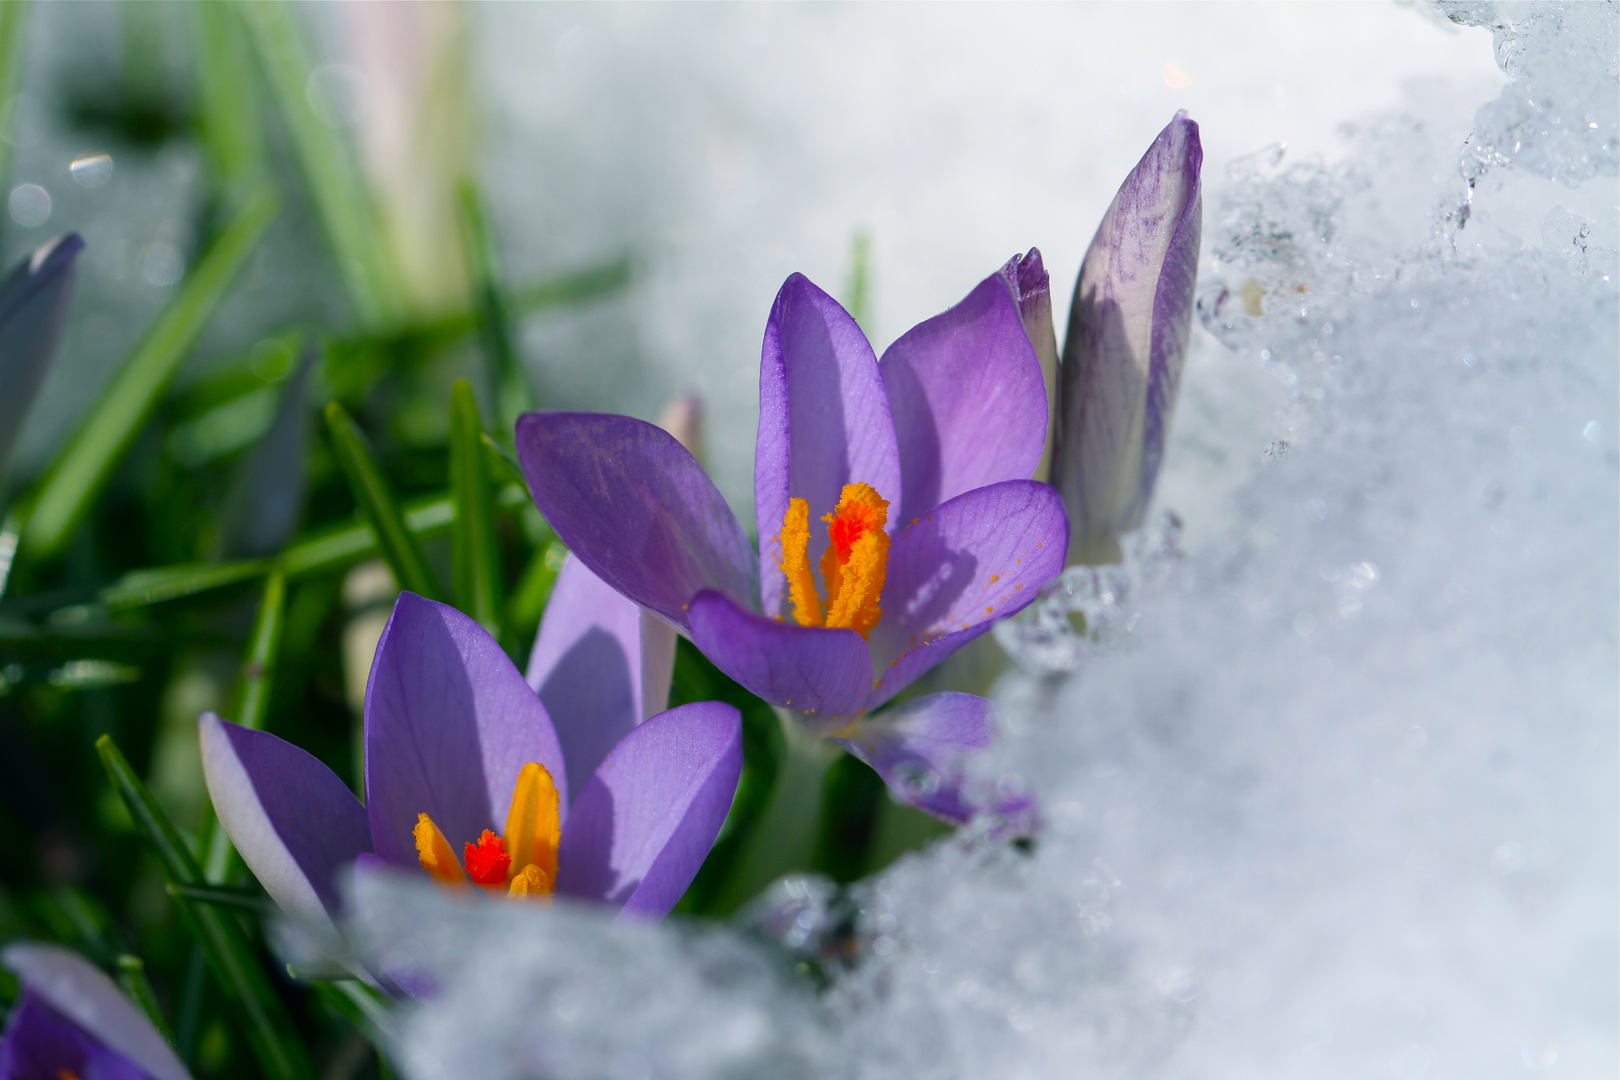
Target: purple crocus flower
<point x="73" y="1023"/>
<point x="469" y="778"/>
<point x="1129" y="325"/>
<point x="905" y="481"/>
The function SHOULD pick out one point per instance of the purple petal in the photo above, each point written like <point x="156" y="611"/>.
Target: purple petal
<point x="636" y="507"/>
<point x="594" y="655"/>
<point x="449" y="723"/>
<point x="646" y="821"/>
<point x="1128" y="330"/>
<point x="972" y="560"/>
<point x="827" y="673"/>
<point x="296" y="825"/>
<point x="823" y="422"/>
<point x="919" y="749"/>
<point x="65" y="991"/>
<point x="1031" y="287"/>
<point x="33" y="307"/>
<point x="968" y="400"/>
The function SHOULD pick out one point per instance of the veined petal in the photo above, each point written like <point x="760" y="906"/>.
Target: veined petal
<point x="636" y="507"/>
<point x="33" y="307"/>
<point x="919" y="750"/>
<point x="1128" y="330"/>
<point x="968" y="400"/>
<point x="449" y="724"/>
<point x="823" y="422"/>
<point x="589" y="666"/>
<point x="1031" y="287"/>
<point x="76" y="989"/>
<point x="979" y="557"/>
<point x="809" y="668"/>
<point x="296" y="825"/>
<point x="646" y="821"/>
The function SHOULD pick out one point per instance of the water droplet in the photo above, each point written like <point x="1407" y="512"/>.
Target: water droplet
<point x="1592" y="430"/>
<point x="1542" y="1054"/>
<point x="29" y="204"/>
<point x="1020" y="1019"/>
<point x="1469" y="360"/>
<point x="1508" y="858"/>
<point x="161" y="265"/>
<point x="92" y="170"/>
<point x="1180" y="985"/>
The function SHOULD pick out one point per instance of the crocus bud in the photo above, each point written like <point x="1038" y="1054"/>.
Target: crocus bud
<point x="33" y="307"/>
<point x="1031" y="288"/>
<point x="1128" y="331"/>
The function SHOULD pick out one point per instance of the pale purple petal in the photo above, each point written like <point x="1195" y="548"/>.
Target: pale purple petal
<point x="42" y="1044"/>
<point x="1031" y="287"/>
<point x="589" y="665"/>
<point x="646" y="821"/>
<point x="79" y="991"/>
<point x="920" y="748"/>
<point x="1129" y="326"/>
<point x="296" y="825"/>
<point x="637" y="508"/>
<point x="980" y="557"/>
<point x="823" y="422"/>
<point x="33" y="308"/>
<point x="449" y="724"/>
<point x="825" y="673"/>
<point x="968" y="400"/>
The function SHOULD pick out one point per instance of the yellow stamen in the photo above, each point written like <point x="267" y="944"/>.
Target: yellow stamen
<point x="438" y="858"/>
<point x="533" y="827"/>
<point x="530" y="883"/>
<point x="796" y="563"/>
<point x="857" y="560"/>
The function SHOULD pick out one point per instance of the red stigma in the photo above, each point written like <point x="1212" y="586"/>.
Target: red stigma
<point x="849" y="525"/>
<point x="487" y="860"/>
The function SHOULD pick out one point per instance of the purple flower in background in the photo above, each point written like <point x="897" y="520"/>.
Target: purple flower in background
<point x="1129" y="326"/>
<point x="33" y="307"/>
<point x="905" y="482"/>
<point x="73" y="1023"/>
<point x="469" y="778"/>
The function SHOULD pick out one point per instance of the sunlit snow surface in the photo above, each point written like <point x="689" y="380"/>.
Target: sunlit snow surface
<point x="1331" y="795"/>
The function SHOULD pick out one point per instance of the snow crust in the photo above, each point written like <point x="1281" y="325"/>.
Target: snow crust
<point x="1331" y="793"/>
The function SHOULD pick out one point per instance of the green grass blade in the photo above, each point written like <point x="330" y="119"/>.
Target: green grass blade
<point x="474" y="555"/>
<point x="508" y="381"/>
<point x="132" y="977"/>
<point x="252" y="701"/>
<point x="13" y="21"/>
<point x="506" y="468"/>
<point x="335" y="186"/>
<point x="528" y="600"/>
<point x="139" y="588"/>
<point x="223" y="896"/>
<point x="267" y="1027"/>
<point x="322" y="552"/>
<point x="95" y="451"/>
<point x="859" y="288"/>
<point x="378" y="506"/>
<point x="227" y="98"/>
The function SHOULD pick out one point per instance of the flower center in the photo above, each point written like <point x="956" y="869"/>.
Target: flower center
<point x="852" y="567"/>
<point x="521" y="863"/>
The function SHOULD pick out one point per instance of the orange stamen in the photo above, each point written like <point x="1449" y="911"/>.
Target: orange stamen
<point x="533" y="824"/>
<point x="857" y="560"/>
<point x="796" y="564"/>
<point x="433" y="851"/>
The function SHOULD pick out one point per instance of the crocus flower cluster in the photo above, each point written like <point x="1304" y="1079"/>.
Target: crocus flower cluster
<point x="470" y="779"/>
<point x="896" y="512"/>
<point x="73" y="1023"/>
